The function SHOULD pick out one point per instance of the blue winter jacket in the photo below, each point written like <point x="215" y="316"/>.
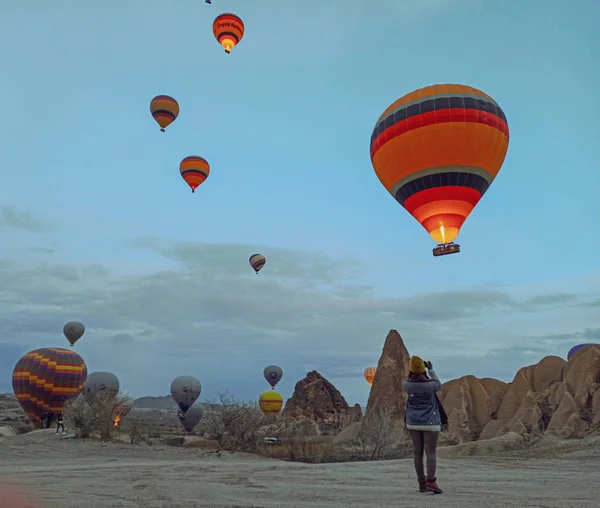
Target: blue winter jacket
<point x="422" y="411"/>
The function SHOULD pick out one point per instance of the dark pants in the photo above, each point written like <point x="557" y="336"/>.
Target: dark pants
<point x="424" y="441"/>
<point x="60" y="426"/>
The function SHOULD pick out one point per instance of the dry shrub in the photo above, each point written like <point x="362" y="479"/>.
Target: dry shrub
<point x="94" y="415"/>
<point x="132" y="426"/>
<point x="381" y="436"/>
<point x="233" y="424"/>
<point x="302" y="450"/>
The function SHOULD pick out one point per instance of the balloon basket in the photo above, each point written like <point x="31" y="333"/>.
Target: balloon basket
<point x="446" y="248"/>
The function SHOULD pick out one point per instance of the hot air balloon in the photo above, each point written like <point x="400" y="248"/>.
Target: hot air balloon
<point x="185" y="390"/>
<point x="73" y="331"/>
<point x="96" y="382"/>
<point x="165" y="110"/>
<point x="437" y="150"/>
<point x="229" y="30"/>
<point x="273" y="374"/>
<point x="191" y="418"/>
<point x="270" y="403"/>
<point x="574" y="349"/>
<point x="257" y="261"/>
<point x="45" y="379"/>
<point x="370" y="374"/>
<point x="194" y="170"/>
<point x="123" y="408"/>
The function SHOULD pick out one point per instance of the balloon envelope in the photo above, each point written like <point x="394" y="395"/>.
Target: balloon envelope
<point x="45" y="379"/>
<point x="194" y="170"/>
<point x="257" y="261"/>
<point x="370" y="374"/>
<point x="123" y="408"/>
<point x="437" y="150"/>
<point x="185" y="390"/>
<point x="273" y="374"/>
<point x="228" y="29"/>
<point x="191" y="417"/>
<point x="164" y="110"/>
<point x="100" y="382"/>
<point x="270" y="403"/>
<point x="73" y="331"/>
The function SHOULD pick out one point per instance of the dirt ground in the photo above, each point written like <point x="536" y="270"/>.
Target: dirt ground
<point x="67" y="473"/>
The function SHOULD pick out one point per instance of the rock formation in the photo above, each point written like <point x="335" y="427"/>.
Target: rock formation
<point x="387" y="395"/>
<point x="553" y="396"/>
<point x="317" y="399"/>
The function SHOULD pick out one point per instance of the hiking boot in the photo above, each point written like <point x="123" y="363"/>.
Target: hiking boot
<point x="432" y="486"/>
<point x="422" y="487"/>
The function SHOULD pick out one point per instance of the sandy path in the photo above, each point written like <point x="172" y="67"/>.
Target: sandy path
<point x="79" y="474"/>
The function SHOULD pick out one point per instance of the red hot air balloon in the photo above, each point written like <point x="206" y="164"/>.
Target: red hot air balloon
<point x="45" y="379"/>
<point x="194" y="170"/>
<point x="437" y="150"/>
<point x="228" y="29"/>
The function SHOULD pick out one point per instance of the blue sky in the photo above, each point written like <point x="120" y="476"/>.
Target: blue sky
<point x="95" y="213"/>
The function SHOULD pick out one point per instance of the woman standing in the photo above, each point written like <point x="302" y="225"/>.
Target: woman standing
<point x="424" y="419"/>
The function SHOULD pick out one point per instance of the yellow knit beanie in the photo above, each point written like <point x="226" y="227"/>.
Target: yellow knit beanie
<point x="417" y="365"/>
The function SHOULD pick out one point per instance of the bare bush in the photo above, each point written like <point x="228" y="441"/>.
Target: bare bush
<point x="379" y="436"/>
<point x="133" y="428"/>
<point x="94" y="414"/>
<point x="233" y="424"/>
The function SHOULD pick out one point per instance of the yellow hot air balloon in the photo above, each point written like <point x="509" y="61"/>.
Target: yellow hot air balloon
<point x="270" y="403"/>
<point x="370" y="374"/>
<point x="436" y="151"/>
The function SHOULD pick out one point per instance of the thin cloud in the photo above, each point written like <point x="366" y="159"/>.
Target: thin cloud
<point x="11" y="217"/>
<point x="205" y="312"/>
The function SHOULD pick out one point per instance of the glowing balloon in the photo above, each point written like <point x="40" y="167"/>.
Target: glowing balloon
<point x="165" y="110"/>
<point x="45" y="379"/>
<point x="194" y="170"/>
<point x="185" y="390"/>
<point x="257" y="261"/>
<point x="437" y="150"/>
<point x="228" y="30"/>
<point x="73" y="331"/>
<point x="370" y="374"/>
<point x="273" y="374"/>
<point x="123" y="408"/>
<point x="270" y="403"/>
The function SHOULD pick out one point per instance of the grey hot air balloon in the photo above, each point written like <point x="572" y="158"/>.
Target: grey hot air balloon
<point x="185" y="390"/>
<point x="191" y="417"/>
<point x="73" y="331"/>
<point x="273" y="374"/>
<point x="100" y="382"/>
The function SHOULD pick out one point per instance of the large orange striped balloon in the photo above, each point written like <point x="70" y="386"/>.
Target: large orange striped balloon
<point x="194" y="170"/>
<point x="165" y="110"/>
<point x="437" y="150"/>
<point x="228" y="30"/>
<point x="45" y="379"/>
